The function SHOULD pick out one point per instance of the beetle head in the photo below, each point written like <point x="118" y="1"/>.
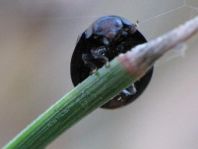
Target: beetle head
<point x="108" y="27"/>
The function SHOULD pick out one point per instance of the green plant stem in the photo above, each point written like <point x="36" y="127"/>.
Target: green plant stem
<point x="98" y="89"/>
<point x="83" y="99"/>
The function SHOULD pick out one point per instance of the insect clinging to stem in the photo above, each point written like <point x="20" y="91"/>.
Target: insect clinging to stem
<point x="105" y="39"/>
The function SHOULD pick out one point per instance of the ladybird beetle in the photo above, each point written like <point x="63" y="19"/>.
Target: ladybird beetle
<point x="105" y="39"/>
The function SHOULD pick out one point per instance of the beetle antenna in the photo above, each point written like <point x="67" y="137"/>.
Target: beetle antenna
<point x="137" y="23"/>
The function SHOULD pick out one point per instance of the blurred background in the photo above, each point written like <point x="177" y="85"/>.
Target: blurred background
<point x="37" y="39"/>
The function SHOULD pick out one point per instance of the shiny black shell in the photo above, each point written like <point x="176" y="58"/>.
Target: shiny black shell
<point x="88" y="41"/>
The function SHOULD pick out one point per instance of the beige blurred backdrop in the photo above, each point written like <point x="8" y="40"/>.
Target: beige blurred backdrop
<point x="37" y="39"/>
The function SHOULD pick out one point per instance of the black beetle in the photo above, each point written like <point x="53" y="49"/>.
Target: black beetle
<point x="105" y="39"/>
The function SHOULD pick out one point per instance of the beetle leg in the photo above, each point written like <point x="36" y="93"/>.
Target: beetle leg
<point x="120" y="48"/>
<point x="133" y="28"/>
<point x="87" y="61"/>
<point x="99" y="53"/>
<point x="105" y="41"/>
<point x="137" y="23"/>
<point x="131" y="90"/>
<point x="134" y="90"/>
